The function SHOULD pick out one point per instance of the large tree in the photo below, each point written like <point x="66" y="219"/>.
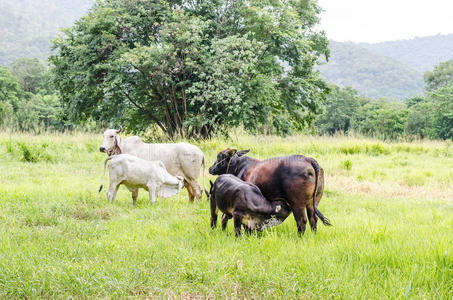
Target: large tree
<point x="439" y="98"/>
<point x="440" y="76"/>
<point x="192" y="67"/>
<point x="443" y="112"/>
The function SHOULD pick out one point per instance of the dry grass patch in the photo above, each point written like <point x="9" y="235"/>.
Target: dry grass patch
<point x="352" y="185"/>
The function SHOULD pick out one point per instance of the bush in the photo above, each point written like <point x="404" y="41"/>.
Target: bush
<point x="35" y="152"/>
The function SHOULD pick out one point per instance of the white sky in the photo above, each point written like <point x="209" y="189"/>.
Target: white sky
<point x="385" y="20"/>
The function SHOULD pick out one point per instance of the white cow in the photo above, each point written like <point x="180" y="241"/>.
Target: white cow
<point x="137" y="173"/>
<point x="180" y="159"/>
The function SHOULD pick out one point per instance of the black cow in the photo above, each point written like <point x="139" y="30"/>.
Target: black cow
<point x="244" y="202"/>
<point x="295" y="179"/>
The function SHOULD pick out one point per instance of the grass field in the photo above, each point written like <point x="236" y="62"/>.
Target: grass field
<point x="391" y="205"/>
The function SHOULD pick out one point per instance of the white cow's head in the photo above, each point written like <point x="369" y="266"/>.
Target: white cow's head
<point x="112" y="141"/>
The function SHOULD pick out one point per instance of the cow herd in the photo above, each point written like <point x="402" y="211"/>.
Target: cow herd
<point x="256" y="194"/>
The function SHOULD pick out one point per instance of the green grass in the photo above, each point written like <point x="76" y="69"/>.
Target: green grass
<point x="390" y="203"/>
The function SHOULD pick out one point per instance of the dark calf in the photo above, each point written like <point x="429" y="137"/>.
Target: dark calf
<point x="244" y="202"/>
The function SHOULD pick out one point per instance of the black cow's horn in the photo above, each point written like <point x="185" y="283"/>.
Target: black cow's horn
<point x="119" y="130"/>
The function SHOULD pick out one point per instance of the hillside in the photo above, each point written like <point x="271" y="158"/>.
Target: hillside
<point x="373" y="75"/>
<point x="27" y="26"/>
<point x="421" y="54"/>
<point x="389" y="69"/>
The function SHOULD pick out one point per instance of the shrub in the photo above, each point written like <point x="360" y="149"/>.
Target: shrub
<point x="347" y="164"/>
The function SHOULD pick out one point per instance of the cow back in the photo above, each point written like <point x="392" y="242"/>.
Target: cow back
<point x="276" y="175"/>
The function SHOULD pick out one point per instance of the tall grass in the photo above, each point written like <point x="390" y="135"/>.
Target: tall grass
<point x="390" y="204"/>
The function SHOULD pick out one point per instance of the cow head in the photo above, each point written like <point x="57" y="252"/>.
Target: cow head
<point x="111" y="144"/>
<point x="224" y="159"/>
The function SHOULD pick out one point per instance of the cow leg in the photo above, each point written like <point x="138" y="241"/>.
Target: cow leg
<point x="225" y="219"/>
<point x="301" y="218"/>
<point x="312" y="218"/>
<point x="134" y="196"/>
<point x="111" y="193"/>
<point x="189" y="190"/>
<point x="214" y="211"/>
<point x="237" y="223"/>
<point x="196" y="188"/>
<point x="247" y="230"/>
<point x="213" y="220"/>
<point x="152" y="193"/>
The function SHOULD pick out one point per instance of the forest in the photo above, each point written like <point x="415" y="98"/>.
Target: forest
<point x="369" y="89"/>
<point x="30" y="102"/>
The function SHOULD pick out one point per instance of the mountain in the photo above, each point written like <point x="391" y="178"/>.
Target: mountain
<point x="26" y="26"/>
<point x="421" y="53"/>
<point x="372" y="74"/>
<point x="389" y="69"/>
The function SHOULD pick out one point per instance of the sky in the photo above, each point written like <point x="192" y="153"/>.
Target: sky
<point x="375" y="21"/>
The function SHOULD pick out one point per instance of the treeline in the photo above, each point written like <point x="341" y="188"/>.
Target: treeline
<point x="28" y="101"/>
<point x="426" y="116"/>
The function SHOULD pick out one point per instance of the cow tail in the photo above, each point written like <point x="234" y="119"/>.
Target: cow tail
<point x="204" y="169"/>
<point x="324" y="220"/>
<point x="105" y="164"/>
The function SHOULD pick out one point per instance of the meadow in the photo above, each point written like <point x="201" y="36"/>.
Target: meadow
<point x="391" y="204"/>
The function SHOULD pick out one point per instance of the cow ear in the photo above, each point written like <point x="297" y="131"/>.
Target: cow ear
<point x="242" y="152"/>
<point x="118" y="146"/>
<point x="231" y="152"/>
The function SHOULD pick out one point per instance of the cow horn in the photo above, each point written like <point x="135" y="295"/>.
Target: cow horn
<point x="119" y="130"/>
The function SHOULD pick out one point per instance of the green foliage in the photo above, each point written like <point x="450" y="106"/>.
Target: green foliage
<point x="28" y="148"/>
<point x="443" y="112"/>
<point x="10" y="89"/>
<point x="39" y="113"/>
<point x="373" y="149"/>
<point x="30" y="151"/>
<point x="32" y="75"/>
<point x="413" y="101"/>
<point x="441" y="76"/>
<point x="36" y="109"/>
<point x="345" y="111"/>
<point x="340" y="110"/>
<point x="420" y="118"/>
<point x="427" y="116"/>
<point x="193" y="69"/>
<point x="347" y="164"/>
<point x="383" y="118"/>
<point x="11" y="94"/>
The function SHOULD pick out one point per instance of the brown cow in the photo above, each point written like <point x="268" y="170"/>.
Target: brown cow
<point x="295" y="179"/>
